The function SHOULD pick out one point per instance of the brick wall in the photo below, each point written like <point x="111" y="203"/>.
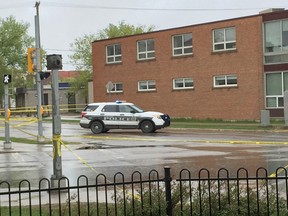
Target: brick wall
<point x="242" y="102"/>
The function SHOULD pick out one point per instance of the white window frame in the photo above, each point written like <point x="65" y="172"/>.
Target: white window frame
<point x="225" y="41"/>
<point x="146" y="53"/>
<point x="275" y="56"/>
<point x="148" y="84"/>
<point x="278" y="98"/>
<point x="116" y="88"/>
<point x="185" y="82"/>
<point x="225" y="78"/>
<point x="116" y="58"/>
<point x="182" y="47"/>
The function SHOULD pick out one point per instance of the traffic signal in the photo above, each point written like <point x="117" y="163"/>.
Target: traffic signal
<point x="31" y="55"/>
<point x="54" y="62"/>
<point x="44" y="75"/>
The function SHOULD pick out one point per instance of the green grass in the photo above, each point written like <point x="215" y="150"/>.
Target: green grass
<point x="24" y="140"/>
<point x="275" y="124"/>
<point x="32" y="141"/>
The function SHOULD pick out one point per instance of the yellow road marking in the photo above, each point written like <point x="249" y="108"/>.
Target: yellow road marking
<point x="178" y="140"/>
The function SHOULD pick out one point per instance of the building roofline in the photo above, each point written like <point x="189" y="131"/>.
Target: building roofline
<point x="261" y="14"/>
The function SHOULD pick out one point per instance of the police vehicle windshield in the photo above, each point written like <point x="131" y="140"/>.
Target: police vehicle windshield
<point x="139" y="110"/>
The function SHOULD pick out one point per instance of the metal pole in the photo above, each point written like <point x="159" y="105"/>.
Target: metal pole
<point x="40" y="137"/>
<point x="168" y="188"/>
<point x="286" y="108"/>
<point x="56" y="121"/>
<point x="7" y="142"/>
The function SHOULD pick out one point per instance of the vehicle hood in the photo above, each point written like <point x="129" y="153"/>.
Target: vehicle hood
<point x="150" y="113"/>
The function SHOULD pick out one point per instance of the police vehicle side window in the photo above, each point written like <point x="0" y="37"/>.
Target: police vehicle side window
<point x="109" y="108"/>
<point x="90" y="108"/>
<point x="125" y="109"/>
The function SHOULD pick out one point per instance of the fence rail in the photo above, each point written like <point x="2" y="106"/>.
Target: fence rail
<point x="190" y="193"/>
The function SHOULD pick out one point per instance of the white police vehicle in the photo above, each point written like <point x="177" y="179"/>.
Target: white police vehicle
<point x="101" y="117"/>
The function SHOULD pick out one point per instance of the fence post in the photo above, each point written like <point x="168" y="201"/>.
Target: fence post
<point x="167" y="180"/>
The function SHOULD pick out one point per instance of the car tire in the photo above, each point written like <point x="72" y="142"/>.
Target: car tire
<point x="147" y="127"/>
<point x="97" y="127"/>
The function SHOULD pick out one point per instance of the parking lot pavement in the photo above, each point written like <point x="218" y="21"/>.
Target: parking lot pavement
<point x="21" y="147"/>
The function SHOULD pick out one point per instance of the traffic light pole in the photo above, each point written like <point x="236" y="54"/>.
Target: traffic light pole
<point x="40" y="137"/>
<point x="56" y="121"/>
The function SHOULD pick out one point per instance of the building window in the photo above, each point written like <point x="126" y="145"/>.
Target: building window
<point x="276" y="85"/>
<point x="145" y="49"/>
<point x="113" y="53"/>
<point x="117" y="88"/>
<point x="183" y="83"/>
<point x="148" y="85"/>
<point x="182" y="44"/>
<point x="45" y="99"/>
<point x="276" y="42"/>
<point x="225" y="81"/>
<point x="224" y="39"/>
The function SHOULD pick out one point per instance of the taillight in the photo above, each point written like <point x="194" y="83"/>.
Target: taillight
<point x="83" y="114"/>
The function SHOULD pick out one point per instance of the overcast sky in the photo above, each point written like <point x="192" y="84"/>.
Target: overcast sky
<point x="62" y="21"/>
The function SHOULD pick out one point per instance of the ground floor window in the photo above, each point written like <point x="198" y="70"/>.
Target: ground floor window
<point x="45" y="99"/>
<point x="117" y="88"/>
<point x="225" y="81"/>
<point x="183" y="83"/>
<point x="276" y="85"/>
<point x="147" y="85"/>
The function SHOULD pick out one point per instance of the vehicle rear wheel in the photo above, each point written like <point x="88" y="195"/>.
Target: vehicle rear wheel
<point x="147" y="127"/>
<point x="97" y="127"/>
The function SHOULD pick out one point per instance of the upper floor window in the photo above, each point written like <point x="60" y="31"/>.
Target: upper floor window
<point x="147" y="85"/>
<point x="224" y="39"/>
<point x="113" y="53"/>
<point x="225" y="81"/>
<point x="117" y="88"/>
<point x="183" y="83"/>
<point x="145" y="49"/>
<point x="182" y="44"/>
<point x="276" y="41"/>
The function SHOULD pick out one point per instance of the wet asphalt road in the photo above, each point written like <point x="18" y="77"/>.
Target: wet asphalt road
<point x="126" y="151"/>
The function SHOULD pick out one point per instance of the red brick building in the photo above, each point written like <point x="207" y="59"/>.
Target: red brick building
<point x="229" y="69"/>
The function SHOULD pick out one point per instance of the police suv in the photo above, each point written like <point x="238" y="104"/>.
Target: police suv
<point x="101" y="117"/>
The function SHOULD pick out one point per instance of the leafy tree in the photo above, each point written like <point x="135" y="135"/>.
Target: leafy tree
<point x="82" y="56"/>
<point x="14" y="41"/>
<point x="122" y="29"/>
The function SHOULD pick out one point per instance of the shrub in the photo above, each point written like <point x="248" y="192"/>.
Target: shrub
<point x="220" y="198"/>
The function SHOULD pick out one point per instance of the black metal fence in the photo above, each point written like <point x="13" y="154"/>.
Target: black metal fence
<point x="189" y="193"/>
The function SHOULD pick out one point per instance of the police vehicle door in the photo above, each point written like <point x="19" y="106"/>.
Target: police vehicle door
<point x="110" y="115"/>
<point x="127" y="116"/>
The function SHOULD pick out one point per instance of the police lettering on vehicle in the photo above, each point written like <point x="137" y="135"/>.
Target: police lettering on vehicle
<point x="119" y="118"/>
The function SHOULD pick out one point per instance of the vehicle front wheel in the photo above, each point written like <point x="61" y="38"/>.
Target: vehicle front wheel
<point x="147" y="127"/>
<point x="97" y="127"/>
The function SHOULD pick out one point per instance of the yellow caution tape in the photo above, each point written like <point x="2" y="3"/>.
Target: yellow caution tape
<point x="91" y="167"/>
<point x="278" y="171"/>
<point x="57" y="147"/>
